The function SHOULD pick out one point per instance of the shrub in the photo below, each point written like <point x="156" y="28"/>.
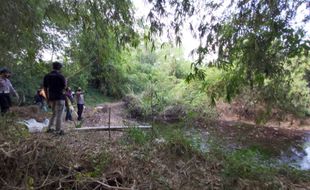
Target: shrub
<point x="137" y="136"/>
<point x="134" y="106"/>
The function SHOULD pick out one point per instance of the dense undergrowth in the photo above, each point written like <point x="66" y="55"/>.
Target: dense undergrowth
<point x="162" y="88"/>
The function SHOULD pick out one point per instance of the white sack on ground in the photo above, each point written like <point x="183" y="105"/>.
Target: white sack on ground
<point x="34" y="126"/>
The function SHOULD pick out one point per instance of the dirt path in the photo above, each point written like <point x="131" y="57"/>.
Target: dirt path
<point x="86" y="143"/>
<point x="99" y="115"/>
<point x="82" y="143"/>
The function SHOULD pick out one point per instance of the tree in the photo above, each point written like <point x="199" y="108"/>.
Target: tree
<point x="29" y="26"/>
<point x="254" y="38"/>
<point x="257" y="33"/>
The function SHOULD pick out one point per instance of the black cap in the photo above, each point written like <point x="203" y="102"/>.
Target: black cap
<point x="57" y="65"/>
<point x="4" y="70"/>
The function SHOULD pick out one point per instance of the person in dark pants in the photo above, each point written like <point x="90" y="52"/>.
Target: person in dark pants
<point x="5" y="89"/>
<point x="80" y="102"/>
<point x="69" y="101"/>
<point x="54" y="85"/>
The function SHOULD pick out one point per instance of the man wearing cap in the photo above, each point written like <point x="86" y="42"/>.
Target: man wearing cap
<point x="5" y="89"/>
<point x="54" y="85"/>
<point x="80" y="102"/>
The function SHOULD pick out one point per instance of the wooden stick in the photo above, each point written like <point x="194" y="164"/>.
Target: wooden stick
<point x="112" y="127"/>
<point x="109" y="123"/>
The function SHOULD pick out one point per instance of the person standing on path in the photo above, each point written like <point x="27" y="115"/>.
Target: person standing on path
<point x="5" y="89"/>
<point x="80" y="102"/>
<point x="54" y="85"/>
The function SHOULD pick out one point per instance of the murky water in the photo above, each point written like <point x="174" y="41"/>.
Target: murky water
<point x="293" y="151"/>
<point x="305" y="161"/>
<point x="301" y="157"/>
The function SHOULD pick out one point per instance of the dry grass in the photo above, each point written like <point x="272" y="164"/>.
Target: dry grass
<point x="47" y="162"/>
<point x="29" y="112"/>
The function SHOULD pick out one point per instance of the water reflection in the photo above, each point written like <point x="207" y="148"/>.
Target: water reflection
<point x="305" y="162"/>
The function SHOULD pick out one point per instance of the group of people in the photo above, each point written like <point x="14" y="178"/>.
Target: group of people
<point x="70" y="100"/>
<point x="55" y="93"/>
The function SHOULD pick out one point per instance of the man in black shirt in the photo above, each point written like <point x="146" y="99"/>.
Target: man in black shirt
<point x="54" y="86"/>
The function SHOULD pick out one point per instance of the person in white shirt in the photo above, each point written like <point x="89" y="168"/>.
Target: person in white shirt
<point x="80" y="102"/>
<point x="6" y="89"/>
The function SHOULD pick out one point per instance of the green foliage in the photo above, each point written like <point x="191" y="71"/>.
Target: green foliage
<point x="256" y="45"/>
<point x="10" y="130"/>
<point x="137" y="136"/>
<point x="253" y="42"/>
<point x="77" y="75"/>
<point x="253" y="163"/>
<point x="299" y="92"/>
<point x="94" y="97"/>
<point x="134" y="106"/>
<point x="27" y="78"/>
<point x="101" y="62"/>
<point x="162" y="86"/>
<point x="257" y="34"/>
<point x="173" y="137"/>
<point x="290" y="93"/>
<point x="176" y="141"/>
<point x="249" y="164"/>
<point x="95" y="30"/>
<point x="21" y="30"/>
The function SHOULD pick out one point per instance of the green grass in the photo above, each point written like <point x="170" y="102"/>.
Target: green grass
<point x="10" y="130"/>
<point x="137" y="136"/>
<point x="254" y="164"/>
<point x="247" y="163"/>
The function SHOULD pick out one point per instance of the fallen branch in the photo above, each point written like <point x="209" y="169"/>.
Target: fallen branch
<point x="7" y="153"/>
<point x="112" y="187"/>
<point x="53" y="181"/>
<point x="48" y="174"/>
